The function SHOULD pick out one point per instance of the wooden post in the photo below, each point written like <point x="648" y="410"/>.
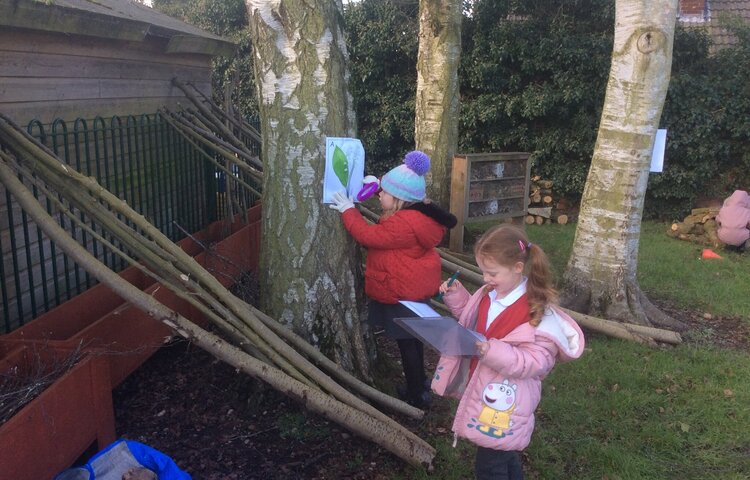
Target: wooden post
<point x="458" y="201"/>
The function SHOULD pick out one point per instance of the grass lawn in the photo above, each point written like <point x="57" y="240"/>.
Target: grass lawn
<point x="628" y="411"/>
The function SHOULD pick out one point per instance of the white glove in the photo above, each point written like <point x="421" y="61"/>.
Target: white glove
<point x="341" y="202"/>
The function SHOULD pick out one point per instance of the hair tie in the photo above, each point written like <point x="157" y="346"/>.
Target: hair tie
<point x="528" y="245"/>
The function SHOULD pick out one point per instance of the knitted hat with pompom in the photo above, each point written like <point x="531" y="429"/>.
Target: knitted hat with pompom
<point x="407" y="180"/>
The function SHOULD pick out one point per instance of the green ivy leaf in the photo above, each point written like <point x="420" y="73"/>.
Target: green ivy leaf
<point x="341" y="166"/>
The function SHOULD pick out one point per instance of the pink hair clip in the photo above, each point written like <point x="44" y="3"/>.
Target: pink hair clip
<point x="522" y="245"/>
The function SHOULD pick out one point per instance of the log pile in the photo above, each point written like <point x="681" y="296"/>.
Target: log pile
<point x="542" y="209"/>
<point x="698" y="227"/>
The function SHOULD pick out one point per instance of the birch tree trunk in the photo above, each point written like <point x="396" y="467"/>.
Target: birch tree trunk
<point x="310" y="268"/>
<point x="437" y="102"/>
<point x="600" y="278"/>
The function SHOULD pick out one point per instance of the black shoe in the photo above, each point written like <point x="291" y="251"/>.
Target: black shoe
<point x="401" y="392"/>
<point x="423" y="402"/>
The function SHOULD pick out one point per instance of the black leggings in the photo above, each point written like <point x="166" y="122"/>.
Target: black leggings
<point x="412" y="351"/>
<point x="497" y="465"/>
<point x="412" y="359"/>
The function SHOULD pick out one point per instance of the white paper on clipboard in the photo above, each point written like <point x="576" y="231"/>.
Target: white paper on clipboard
<point x="421" y="309"/>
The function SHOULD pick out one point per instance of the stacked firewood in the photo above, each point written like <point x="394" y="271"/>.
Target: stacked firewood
<point x="541" y="208"/>
<point x="698" y="227"/>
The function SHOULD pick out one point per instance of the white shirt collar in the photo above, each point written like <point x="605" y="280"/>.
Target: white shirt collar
<point x="510" y="298"/>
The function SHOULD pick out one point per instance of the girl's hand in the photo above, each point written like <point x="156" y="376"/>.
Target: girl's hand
<point x="482" y="347"/>
<point x="341" y="202"/>
<point x="444" y="288"/>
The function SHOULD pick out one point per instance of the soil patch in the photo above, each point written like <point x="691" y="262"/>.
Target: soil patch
<point x="710" y="330"/>
<point x="217" y="423"/>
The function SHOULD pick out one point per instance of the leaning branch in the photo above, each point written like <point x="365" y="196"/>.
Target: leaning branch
<point x="625" y="331"/>
<point x="177" y="271"/>
<point x="402" y="443"/>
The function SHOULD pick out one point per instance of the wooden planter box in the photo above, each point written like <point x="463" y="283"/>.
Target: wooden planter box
<point x="127" y="336"/>
<point x="48" y="434"/>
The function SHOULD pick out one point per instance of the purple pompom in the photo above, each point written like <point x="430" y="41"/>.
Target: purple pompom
<point x="418" y="162"/>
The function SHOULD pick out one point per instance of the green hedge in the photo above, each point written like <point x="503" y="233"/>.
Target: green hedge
<point x="533" y="76"/>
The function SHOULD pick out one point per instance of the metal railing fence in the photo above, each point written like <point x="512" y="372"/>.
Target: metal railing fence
<point x="140" y="159"/>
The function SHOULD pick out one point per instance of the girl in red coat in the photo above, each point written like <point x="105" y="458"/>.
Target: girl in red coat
<point x="402" y="262"/>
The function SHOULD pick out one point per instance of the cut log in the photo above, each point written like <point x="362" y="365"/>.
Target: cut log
<point x="705" y="211"/>
<point x="710" y="228"/>
<point x="536" y="198"/>
<point x="545" y="212"/>
<point x="683" y="228"/>
<point x="693" y="219"/>
<point x="546" y="183"/>
<point x="547" y="200"/>
<point x="562" y="219"/>
<point x="538" y="220"/>
<point x="529" y="219"/>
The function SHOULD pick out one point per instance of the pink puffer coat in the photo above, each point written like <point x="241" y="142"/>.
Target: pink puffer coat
<point x="734" y="219"/>
<point x="497" y="403"/>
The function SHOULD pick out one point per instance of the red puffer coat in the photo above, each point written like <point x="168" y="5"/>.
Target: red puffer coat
<point x="402" y="262"/>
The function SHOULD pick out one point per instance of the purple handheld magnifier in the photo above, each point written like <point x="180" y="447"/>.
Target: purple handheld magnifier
<point x="367" y="191"/>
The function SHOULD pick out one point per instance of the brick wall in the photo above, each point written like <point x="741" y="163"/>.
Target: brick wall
<point x="692" y="7"/>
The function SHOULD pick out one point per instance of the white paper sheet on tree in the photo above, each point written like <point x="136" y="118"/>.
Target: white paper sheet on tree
<point x="657" y="155"/>
<point x="345" y="167"/>
<point x="444" y="334"/>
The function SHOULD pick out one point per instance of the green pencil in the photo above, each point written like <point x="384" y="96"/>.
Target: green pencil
<point x="450" y="282"/>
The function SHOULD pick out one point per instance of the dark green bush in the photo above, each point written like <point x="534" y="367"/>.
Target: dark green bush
<point x="533" y="75"/>
<point x="533" y="79"/>
<point x="382" y="43"/>
<point x="707" y="117"/>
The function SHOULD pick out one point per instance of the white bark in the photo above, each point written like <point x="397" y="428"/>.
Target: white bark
<point x="437" y="101"/>
<point x="601" y="272"/>
<point x="309" y="264"/>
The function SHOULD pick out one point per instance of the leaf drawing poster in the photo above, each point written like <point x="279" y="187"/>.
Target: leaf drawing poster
<point x="345" y="166"/>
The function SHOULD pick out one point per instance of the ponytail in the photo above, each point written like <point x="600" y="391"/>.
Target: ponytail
<point x="539" y="289"/>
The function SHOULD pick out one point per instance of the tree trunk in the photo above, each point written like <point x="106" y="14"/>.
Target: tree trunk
<point x="600" y="278"/>
<point x="310" y="267"/>
<point x="437" y="102"/>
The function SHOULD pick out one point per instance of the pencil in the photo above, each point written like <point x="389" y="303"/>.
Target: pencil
<point x="450" y="282"/>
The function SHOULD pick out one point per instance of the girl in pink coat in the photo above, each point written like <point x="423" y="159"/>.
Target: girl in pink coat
<point x="734" y="220"/>
<point x="500" y="387"/>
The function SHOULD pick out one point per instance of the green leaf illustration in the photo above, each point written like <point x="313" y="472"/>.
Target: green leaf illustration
<point x="341" y="166"/>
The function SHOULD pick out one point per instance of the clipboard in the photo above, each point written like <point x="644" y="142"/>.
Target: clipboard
<point x="444" y="334"/>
